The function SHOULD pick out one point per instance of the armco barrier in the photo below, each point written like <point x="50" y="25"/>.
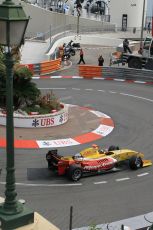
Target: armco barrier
<point x="129" y="74"/>
<point x="50" y="66"/>
<point x="44" y="67"/>
<point x="89" y="71"/>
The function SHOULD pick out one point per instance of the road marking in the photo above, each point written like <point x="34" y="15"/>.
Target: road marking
<point x="142" y="174"/>
<point x="77" y="77"/>
<point x="130" y="95"/>
<point x="75" y="89"/>
<point x="46" y="185"/>
<point x="100" y="90"/>
<point x="52" y="88"/>
<point x="122" y="179"/>
<point x="140" y="82"/>
<point x="117" y="79"/>
<point x="55" y="77"/>
<point x="112" y="92"/>
<point x="35" y="78"/>
<point x="89" y="89"/>
<point x="94" y="78"/>
<point x="100" y="182"/>
<point x="99" y="78"/>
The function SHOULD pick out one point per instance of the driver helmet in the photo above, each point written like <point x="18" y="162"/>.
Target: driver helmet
<point x="78" y="156"/>
<point x="95" y="146"/>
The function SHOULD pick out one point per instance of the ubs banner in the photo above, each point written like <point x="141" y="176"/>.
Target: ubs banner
<point x="38" y="121"/>
<point x="124" y="22"/>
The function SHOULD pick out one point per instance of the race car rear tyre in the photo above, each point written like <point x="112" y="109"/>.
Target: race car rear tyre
<point x="135" y="163"/>
<point x="74" y="172"/>
<point x="113" y="147"/>
<point x="51" y="166"/>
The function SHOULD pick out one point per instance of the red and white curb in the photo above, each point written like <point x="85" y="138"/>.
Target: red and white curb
<point x="94" y="78"/>
<point x="106" y="127"/>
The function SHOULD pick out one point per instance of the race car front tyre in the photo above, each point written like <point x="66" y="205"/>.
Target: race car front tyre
<point x="135" y="163"/>
<point x="74" y="172"/>
<point x="113" y="147"/>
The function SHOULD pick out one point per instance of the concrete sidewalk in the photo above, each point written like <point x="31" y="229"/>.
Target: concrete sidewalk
<point x="35" y="51"/>
<point x="89" y="122"/>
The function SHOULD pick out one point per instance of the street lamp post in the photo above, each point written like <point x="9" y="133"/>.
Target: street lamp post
<point x="152" y="21"/>
<point x="13" y="23"/>
<point x="78" y="17"/>
<point x="78" y="8"/>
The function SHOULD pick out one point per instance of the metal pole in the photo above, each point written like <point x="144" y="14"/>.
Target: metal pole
<point x="71" y="217"/>
<point x="11" y="206"/>
<point x="50" y="34"/>
<point x="142" y="25"/>
<point x="152" y="20"/>
<point x="78" y="25"/>
<point x="12" y="212"/>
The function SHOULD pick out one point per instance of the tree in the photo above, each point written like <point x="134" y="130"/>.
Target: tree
<point x="25" y="91"/>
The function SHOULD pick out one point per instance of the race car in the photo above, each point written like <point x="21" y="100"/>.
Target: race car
<point x="94" y="160"/>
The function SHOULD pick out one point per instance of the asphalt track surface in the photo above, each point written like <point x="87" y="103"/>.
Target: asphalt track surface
<point x="98" y="199"/>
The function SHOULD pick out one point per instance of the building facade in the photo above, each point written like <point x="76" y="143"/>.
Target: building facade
<point x="127" y="14"/>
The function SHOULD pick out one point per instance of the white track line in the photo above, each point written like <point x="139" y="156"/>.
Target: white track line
<point x="122" y="179"/>
<point x="46" y="185"/>
<point x="112" y="92"/>
<point x="130" y="95"/>
<point x="100" y="90"/>
<point x="100" y="182"/>
<point x="76" y="89"/>
<point x="142" y="174"/>
<point x="53" y="88"/>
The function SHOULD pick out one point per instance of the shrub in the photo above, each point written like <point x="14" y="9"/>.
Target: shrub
<point x="49" y="101"/>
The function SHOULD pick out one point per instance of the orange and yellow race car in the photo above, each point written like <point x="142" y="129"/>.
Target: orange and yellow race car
<point x="94" y="160"/>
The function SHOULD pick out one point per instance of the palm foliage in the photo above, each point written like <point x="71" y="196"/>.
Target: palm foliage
<point x="25" y="91"/>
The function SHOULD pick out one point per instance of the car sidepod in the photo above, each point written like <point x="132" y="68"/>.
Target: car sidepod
<point x="97" y="165"/>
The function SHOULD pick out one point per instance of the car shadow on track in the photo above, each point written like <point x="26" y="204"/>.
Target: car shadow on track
<point x="34" y="174"/>
<point x="43" y="174"/>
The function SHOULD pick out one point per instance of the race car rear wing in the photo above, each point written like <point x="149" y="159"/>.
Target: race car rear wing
<point x="53" y="154"/>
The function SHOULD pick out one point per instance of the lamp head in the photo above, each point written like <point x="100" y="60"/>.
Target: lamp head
<point x="13" y="24"/>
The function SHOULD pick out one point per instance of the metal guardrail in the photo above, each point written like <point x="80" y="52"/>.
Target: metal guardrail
<point x="128" y="74"/>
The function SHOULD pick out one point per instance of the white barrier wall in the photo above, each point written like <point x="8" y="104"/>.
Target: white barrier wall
<point x="87" y="39"/>
<point x="38" y="121"/>
<point x="42" y="19"/>
<point x="133" y="9"/>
